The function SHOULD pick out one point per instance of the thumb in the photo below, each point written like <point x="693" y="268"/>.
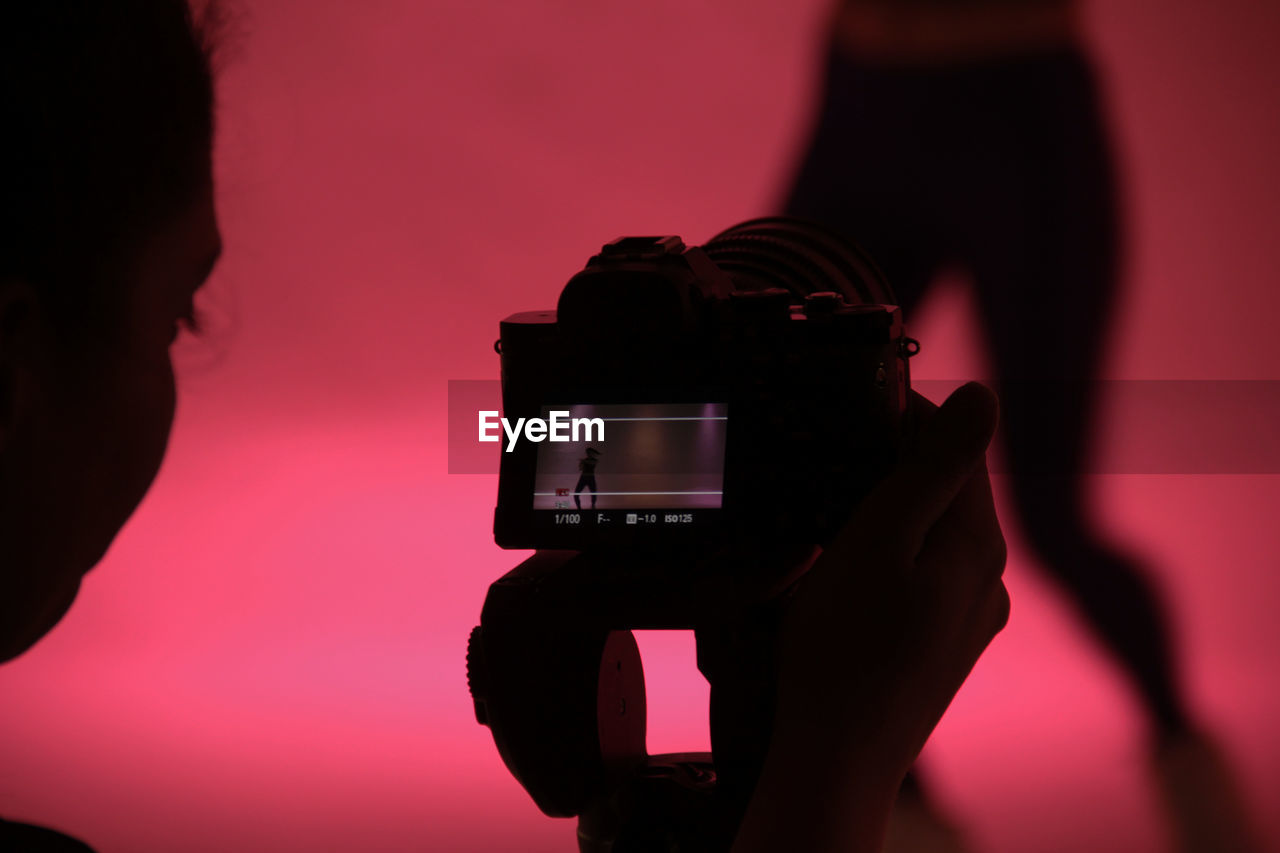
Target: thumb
<point x="951" y="444"/>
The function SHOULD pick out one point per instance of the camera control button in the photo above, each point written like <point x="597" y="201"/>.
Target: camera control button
<point x="822" y="302"/>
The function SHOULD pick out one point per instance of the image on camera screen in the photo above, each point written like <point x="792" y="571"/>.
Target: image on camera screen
<point x="652" y="456"/>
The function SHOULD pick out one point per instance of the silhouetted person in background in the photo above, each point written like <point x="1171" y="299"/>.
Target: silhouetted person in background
<point x="969" y="135"/>
<point x="107" y="230"/>
<point x="587" y="477"/>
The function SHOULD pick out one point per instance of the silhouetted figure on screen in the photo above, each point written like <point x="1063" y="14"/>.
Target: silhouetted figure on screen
<point x="969" y="135"/>
<point x="587" y="477"/>
<point x="107" y="228"/>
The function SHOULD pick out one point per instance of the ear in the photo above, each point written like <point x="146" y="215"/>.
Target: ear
<point x="19" y="315"/>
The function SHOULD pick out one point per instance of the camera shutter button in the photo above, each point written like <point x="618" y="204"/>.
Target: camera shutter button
<point x="822" y="302"/>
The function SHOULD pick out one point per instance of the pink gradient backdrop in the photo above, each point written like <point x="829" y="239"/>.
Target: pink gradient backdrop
<point x="271" y="657"/>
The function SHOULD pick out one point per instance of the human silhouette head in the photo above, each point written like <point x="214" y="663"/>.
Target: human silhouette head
<point x="107" y="228"/>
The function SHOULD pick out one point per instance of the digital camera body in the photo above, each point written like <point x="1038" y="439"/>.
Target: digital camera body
<point x="733" y="405"/>
<point x="749" y="392"/>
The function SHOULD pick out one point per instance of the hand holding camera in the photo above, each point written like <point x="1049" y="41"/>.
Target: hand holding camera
<point x="753" y="400"/>
<point x="880" y="634"/>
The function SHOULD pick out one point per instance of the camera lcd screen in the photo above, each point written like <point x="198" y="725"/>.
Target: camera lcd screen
<point x="623" y="462"/>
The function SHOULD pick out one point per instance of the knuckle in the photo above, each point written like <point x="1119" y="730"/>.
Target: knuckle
<point x="998" y="555"/>
<point x="1000" y="609"/>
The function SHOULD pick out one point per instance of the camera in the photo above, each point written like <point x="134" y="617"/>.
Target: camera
<point x="752" y="387"/>
<point x="680" y="436"/>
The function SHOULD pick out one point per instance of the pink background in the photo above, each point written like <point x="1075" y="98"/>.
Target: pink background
<point x="271" y="657"/>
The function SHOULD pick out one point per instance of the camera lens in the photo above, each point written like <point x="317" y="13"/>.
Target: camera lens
<point x="799" y="256"/>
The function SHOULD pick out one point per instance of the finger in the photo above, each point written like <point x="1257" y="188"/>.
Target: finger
<point x="952" y="443"/>
<point x="982" y="623"/>
<point x="965" y="549"/>
<point x="997" y="613"/>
